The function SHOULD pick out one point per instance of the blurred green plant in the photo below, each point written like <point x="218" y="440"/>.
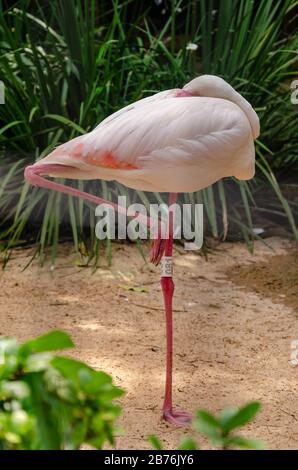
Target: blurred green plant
<point x="68" y="64"/>
<point x="52" y="402"/>
<point x="220" y="430"/>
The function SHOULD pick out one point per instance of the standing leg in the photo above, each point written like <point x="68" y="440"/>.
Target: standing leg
<point x="174" y="416"/>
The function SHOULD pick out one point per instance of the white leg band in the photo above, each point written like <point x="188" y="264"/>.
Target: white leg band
<point x="166" y="266"/>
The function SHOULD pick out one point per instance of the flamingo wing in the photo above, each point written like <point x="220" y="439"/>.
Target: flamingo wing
<point x="184" y="143"/>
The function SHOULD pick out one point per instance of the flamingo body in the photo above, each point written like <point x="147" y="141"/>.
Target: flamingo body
<point x="174" y="141"/>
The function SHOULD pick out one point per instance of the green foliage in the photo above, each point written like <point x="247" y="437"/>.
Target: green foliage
<point x="52" y="402"/>
<point x="68" y="64"/>
<point x="220" y="430"/>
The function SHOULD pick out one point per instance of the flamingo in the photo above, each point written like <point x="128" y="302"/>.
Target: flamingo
<point x="175" y="141"/>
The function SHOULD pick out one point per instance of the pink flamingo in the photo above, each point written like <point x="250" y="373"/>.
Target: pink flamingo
<point x="179" y="140"/>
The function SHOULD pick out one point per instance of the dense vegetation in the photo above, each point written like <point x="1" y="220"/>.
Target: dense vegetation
<point x="68" y="64"/>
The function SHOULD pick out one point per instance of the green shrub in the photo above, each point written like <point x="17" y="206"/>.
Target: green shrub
<point x="52" y="402"/>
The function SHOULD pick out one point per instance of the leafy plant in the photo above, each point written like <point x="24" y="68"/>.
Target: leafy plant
<point x="67" y="65"/>
<point x="52" y="402"/>
<point x="220" y="430"/>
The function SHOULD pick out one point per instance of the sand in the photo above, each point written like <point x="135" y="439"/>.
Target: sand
<point x="235" y="318"/>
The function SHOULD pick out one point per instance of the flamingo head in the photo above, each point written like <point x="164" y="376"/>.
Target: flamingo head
<point x="215" y="87"/>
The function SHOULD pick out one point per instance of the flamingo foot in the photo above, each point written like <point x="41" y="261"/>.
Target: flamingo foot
<point x="157" y="250"/>
<point x="176" y="416"/>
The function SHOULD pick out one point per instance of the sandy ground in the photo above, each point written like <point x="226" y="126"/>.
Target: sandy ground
<point x="233" y="333"/>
